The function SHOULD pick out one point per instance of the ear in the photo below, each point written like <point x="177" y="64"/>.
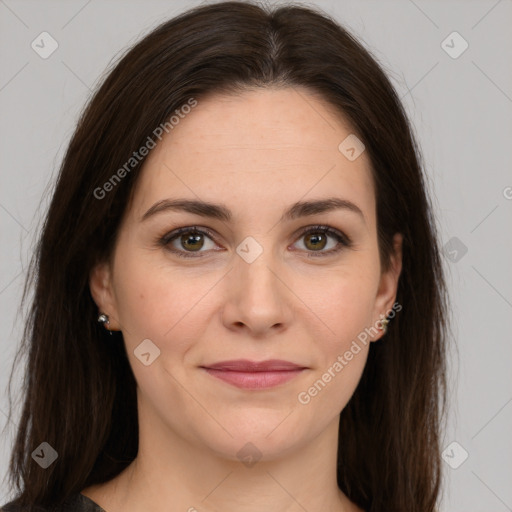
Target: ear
<point x="100" y="284"/>
<point x="388" y="285"/>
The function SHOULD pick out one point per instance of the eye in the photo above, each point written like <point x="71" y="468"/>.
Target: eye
<point x="188" y="242"/>
<point x="316" y="239"/>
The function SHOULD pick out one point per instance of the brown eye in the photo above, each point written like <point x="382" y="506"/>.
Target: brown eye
<point x="315" y="241"/>
<point x="192" y="242"/>
<point x="189" y="242"/>
<point x="317" y="238"/>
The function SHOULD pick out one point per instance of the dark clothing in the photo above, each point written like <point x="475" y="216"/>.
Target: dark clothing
<point x="76" y="503"/>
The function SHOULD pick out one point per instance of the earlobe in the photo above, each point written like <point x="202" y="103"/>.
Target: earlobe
<point x="100" y="284"/>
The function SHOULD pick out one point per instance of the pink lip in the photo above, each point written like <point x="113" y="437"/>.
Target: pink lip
<point x="254" y="375"/>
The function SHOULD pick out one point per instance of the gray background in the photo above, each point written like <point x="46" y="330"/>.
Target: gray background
<point x="460" y="107"/>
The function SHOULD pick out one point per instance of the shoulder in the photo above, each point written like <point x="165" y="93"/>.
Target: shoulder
<point x="75" y="503"/>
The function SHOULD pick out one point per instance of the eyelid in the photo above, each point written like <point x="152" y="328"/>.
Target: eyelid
<point x="343" y="240"/>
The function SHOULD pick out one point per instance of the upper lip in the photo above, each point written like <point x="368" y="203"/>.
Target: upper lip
<point x="245" y="365"/>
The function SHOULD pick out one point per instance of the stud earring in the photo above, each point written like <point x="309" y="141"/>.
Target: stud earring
<point x="103" y="319"/>
<point x="384" y="325"/>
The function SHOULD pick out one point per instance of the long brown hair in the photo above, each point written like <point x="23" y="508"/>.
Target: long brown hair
<point x="79" y="393"/>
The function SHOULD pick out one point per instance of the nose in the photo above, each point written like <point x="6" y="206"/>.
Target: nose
<point x="257" y="298"/>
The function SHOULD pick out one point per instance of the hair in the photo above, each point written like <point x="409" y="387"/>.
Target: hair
<point x="79" y="392"/>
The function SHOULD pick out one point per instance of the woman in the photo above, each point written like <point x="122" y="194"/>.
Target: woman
<point x="239" y="297"/>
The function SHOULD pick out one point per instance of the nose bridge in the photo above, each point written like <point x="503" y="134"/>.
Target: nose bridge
<point x="257" y="276"/>
<point x="257" y="297"/>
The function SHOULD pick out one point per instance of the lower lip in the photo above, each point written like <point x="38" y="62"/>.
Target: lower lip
<point x="254" y="380"/>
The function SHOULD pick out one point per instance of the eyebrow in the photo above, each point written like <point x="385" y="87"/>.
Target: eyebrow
<point x="221" y="212"/>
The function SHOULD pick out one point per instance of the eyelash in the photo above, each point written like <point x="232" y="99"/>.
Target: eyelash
<point x="343" y="240"/>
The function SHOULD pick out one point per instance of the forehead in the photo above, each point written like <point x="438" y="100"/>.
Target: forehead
<point x="277" y="144"/>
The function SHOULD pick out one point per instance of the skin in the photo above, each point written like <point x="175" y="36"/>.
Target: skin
<point x="258" y="153"/>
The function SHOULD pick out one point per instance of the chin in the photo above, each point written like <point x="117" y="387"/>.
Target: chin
<point x="266" y="440"/>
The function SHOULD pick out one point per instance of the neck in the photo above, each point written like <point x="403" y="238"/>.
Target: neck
<point x="170" y="469"/>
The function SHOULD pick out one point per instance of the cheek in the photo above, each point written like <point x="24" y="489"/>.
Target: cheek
<point x="160" y="303"/>
<point x="342" y="303"/>
<point x="345" y="307"/>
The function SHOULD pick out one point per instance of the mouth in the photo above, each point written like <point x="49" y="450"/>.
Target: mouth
<point x="246" y="374"/>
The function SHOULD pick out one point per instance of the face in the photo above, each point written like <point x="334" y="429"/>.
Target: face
<point x="257" y="281"/>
